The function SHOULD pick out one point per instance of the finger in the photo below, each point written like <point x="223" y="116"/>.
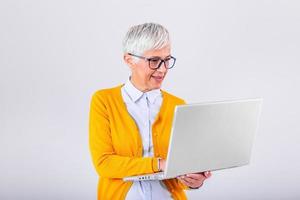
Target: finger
<point x="196" y="176"/>
<point x="207" y="174"/>
<point x="185" y="182"/>
<point x="194" y="181"/>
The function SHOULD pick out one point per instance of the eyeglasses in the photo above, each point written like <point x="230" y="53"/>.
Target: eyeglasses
<point x="155" y="62"/>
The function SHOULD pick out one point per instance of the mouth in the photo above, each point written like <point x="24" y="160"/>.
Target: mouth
<point x="158" y="78"/>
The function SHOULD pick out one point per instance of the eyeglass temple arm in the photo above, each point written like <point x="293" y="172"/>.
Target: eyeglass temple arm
<point x="142" y="57"/>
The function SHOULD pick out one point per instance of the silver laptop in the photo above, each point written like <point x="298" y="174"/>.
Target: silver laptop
<point x="209" y="136"/>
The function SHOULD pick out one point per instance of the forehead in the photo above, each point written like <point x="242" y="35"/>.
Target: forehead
<point x="163" y="52"/>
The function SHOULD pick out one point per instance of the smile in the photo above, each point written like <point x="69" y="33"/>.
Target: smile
<point x="158" y="78"/>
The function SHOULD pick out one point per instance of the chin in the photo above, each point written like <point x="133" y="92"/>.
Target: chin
<point x="156" y="86"/>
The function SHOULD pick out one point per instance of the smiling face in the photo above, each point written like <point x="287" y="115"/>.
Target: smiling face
<point x="144" y="78"/>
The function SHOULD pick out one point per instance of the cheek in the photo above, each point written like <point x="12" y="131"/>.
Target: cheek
<point x="145" y="75"/>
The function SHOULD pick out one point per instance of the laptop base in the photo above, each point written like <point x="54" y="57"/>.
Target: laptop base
<point x="146" y="177"/>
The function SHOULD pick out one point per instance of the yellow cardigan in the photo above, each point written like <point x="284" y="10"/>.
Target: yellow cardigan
<point x="116" y="144"/>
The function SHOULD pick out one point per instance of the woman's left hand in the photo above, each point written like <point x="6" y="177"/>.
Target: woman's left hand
<point x="194" y="180"/>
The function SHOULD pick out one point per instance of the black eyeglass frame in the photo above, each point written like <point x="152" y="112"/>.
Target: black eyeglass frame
<point x="161" y="61"/>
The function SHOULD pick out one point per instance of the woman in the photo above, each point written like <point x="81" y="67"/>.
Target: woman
<point x="130" y="124"/>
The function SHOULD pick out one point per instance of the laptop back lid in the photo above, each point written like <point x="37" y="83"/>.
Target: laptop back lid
<point x="212" y="136"/>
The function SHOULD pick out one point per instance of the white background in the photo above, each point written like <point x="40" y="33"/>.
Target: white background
<point x="55" y="54"/>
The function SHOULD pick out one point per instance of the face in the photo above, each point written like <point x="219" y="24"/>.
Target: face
<point x="144" y="78"/>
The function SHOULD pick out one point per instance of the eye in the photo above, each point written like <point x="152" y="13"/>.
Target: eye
<point x="154" y="60"/>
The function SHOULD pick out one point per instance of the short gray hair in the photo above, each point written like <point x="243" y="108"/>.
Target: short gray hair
<point x="144" y="37"/>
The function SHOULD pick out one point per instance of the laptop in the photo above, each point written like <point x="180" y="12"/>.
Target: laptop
<point x="209" y="136"/>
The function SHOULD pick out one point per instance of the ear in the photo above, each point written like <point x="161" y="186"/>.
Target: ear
<point x="129" y="60"/>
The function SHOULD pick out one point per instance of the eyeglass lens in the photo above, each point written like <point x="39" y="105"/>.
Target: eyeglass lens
<point x="155" y="63"/>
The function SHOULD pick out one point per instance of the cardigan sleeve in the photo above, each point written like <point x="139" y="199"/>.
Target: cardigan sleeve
<point x="106" y="161"/>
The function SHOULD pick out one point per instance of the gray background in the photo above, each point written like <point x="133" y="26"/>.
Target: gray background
<point x="55" y="54"/>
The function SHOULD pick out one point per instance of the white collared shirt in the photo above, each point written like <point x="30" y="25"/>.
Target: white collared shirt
<point x="143" y="108"/>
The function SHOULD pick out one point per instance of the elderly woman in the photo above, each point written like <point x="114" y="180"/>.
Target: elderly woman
<point x="130" y="124"/>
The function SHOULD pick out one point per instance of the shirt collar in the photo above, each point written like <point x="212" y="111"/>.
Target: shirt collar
<point x="136" y="94"/>
<point x="152" y="95"/>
